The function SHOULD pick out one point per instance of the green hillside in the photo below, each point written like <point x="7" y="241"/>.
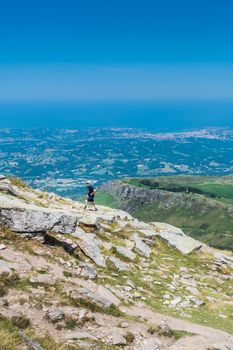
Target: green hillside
<point x="201" y="206"/>
<point x="219" y="188"/>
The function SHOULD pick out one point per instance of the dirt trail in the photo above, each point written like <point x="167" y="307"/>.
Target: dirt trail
<point x="205" y="336"/>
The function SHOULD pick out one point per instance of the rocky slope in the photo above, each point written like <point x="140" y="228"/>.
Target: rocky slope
<point x="75" y="279"/>
<point x="204" y="218"/>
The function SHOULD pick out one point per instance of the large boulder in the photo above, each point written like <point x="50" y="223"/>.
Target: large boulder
<point x="37" y="221"/>
<point x="89" y="245"/>
<point x="176" y="238"/>
<point x="93" y="297"/>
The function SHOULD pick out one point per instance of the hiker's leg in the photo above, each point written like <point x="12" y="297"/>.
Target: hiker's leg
<point x="93" y="203"/>
<point x="86" y="202"/>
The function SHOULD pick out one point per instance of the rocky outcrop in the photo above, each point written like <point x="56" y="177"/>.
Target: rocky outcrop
<point x="89" y="245"/>
<point x="37" y="221"/>
<point x="140" y="246"/>
<point x="131" y="198"/>
<point x="176" y="238"/>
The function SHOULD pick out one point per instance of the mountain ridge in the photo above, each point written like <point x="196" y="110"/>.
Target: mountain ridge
<point x="204" y="218"/>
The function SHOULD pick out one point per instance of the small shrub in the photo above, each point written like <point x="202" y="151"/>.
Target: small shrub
<point x="67" y="274"/>
<point x="21" y="322"/>
<point x="129" y="337"/>
<point x="70" y="323"/>
<point x="18" y="182"/>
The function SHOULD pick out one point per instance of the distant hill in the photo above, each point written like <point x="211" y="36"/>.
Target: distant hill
<point x="201" y="205"/>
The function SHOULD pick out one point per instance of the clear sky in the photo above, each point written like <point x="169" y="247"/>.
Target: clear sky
<point x="125" y="51"/>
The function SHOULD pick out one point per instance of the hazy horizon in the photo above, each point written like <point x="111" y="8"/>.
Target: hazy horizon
<point x="135" y="64"/>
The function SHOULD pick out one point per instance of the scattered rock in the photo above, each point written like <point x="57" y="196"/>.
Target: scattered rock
<point x="197" y="302"/>
<point x="130" y="283"/>
<point x="2" y="246"/>
<point x="118" y="339"/>
<point x="55" y="315"/>
<point x="88" y="271"/>
<point x="93" y="297"/>
<point x="4" y="268"/>
<point x="117" y="264"/>
<point x="126" y="253"/>
<point x="6" y="187"/>
<point x="140" y="246"/>
<point x="82" y="315"/>
<point x="80" y="335"/>
<point x="150" y="344"/>
<point x="124" y="324"/>
<point x="165" y="329"/>
<point x="220" y="346"/>
<point x="43" y="279"/>
<point x="90" y="247"/>
<point x="107" y="294"/>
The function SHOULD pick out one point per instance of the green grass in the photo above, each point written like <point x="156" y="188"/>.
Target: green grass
<point x="18" y="182"/>
<point x="214" y="227"/>
<point x="208" y="217"/>
<point x="10" y="339"/>
<point x="220" y="188"/>
<point x="103" y="198"/>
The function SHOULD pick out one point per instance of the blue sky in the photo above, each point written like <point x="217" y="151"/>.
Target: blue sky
<point x="79" y="51"/>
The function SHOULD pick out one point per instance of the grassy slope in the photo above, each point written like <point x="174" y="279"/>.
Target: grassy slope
<point x="220" y="188"/>
<point x="214" y="228"/>
<point x="103" y="198"/>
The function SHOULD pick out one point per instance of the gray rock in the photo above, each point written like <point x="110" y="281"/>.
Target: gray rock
<point x="88" y="271"/>
<point x="140" y="246"/>
<point x="55" y="315"/>
<point x="80" y="335"/>
<point x="150" y="344"/>
<point x="124" y="324"/>
<point x="6" y="187"/>
<point x="220" y="346"/>
<point x="2" y="246"/>
<point x="2" y="177"/>
<point x="176" y="238"/>
<point x="126" y="253"/>
<point x="130" y="283"/>
<point x="118" y="339"/>
<point x="43" y="279"/>
<point x="93" y="297"/>
<point x="108" y="295"/>
<point x="175" y="301"/>
<point x="37" y="221"/>
<point x="90" y="247"/>
<point x="223" y="259"/>
<point x="149" y="233"/>
<point x="117" y="264"/>
<point x="165" y="329"/>
<point x="4" y="268"/>
<point x="197" y="302"/>
<point x="82" y="315"/>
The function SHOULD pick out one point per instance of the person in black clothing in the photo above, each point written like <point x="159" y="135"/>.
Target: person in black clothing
<point x="90" y="195"/>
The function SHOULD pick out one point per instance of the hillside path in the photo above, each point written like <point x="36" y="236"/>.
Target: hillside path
<point x="205" y="336"/>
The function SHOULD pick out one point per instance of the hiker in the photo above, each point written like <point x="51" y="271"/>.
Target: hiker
<point x="90" y="195"/>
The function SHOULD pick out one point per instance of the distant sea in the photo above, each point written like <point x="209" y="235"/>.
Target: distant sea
<point x="158" y="116"/>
